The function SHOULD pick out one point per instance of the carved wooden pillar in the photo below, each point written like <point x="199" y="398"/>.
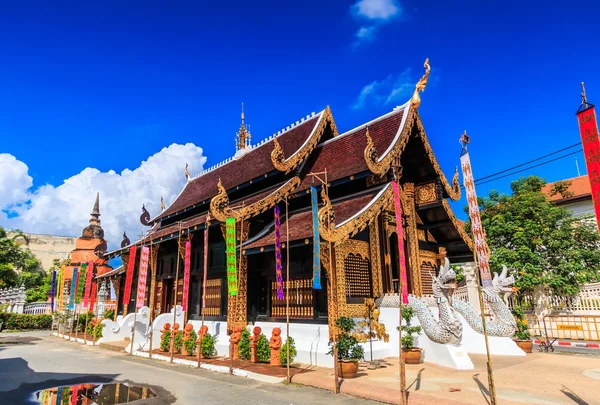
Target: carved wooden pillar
<point x="332" y="308"/>
<point x="153" y="261"/>
<point x="375" y="246"/>
<point x="413" y="239"/>
<point x="441" y="255"/>
<point x="237" y="305"/>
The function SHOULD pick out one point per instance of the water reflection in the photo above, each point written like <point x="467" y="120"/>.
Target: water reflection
<point x="90" y="394"/>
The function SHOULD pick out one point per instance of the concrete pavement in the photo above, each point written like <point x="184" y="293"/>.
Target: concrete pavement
<point x="49" y="362"/>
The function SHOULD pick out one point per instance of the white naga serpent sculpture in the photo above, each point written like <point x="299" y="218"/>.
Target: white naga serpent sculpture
<point x="448" y="329"/>
<point x="503" y="323"/>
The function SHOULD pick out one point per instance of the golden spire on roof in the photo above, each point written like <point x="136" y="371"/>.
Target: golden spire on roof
<point x="187" y="173"/>
<point x="162" y="203"/>
<point x="243" y="135"/>
<point x="415" y="101"/>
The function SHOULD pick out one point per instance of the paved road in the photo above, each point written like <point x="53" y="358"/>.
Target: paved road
<point x="48" y="362"/>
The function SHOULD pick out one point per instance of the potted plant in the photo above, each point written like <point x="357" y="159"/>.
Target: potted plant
<point x="349" y="350"/>
<point x="522" y="336"/>
<point x="370" y="328"/>
<point x="208" y="346"/>
<point x="244" y="345"/>
<point x="411" y="354"/>
<point x="283" y="353"/>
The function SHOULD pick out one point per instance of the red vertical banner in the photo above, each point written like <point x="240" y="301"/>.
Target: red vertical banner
<point x="88" y="283"/>
<point x="476" y="225"/>
<point x="205" y="266"/>
<point x="588" y="128"/>
<point x="186" y="274"/>
<point x="400" y="233"/>
<point x="93" y="295"/>
<point x="129" y="276"/>
<point x="142" y="277"/>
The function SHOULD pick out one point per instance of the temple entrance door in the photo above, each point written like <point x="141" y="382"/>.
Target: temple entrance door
<point x="258" y="294"/>
<point x="167" y="295"/>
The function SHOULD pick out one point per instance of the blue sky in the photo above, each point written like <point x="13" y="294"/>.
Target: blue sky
<point x="108" y="84"/>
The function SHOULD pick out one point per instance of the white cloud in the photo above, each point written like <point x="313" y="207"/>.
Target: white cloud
<point x="376" y="9"/>
<point x="390" y="90"/>
<point x="65" y="209"/>
<point x="373" y="13"/>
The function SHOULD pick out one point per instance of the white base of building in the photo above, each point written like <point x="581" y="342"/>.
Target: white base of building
<point x="474" y="343"/>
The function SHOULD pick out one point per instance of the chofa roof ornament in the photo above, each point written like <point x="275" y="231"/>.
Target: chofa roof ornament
<point x="415" y="101"/>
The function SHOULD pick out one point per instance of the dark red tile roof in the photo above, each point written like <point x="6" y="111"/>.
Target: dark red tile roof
<point x="253" y="164"/>
<point x="343" y="156"/>
<point x="301" y="222"/>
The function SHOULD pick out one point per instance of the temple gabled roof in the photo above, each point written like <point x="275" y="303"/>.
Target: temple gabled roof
<point x="299" y="139"/>
<point x="579" y="189"/>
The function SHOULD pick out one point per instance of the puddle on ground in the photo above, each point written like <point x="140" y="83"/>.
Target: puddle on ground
<point x="90" y="394"/>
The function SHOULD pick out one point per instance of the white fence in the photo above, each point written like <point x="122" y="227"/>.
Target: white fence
<point x="36" y="308"/>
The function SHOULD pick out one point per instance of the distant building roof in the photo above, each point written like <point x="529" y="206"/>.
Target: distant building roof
<point x="578" y="190"/>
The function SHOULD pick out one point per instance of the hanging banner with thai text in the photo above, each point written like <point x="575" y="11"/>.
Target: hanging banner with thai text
<point x="186" y="274"/>
<point x="205" y="265"/>
<point x="93" y="295"/>
<point x="88" y="283"/>
<point x="480" y="245"/>
<point x="129" y="276"/>
<point x="73" y="287"/>
<point x="588" y="128"/>
<point x="231" y="256"/>
<point x="400" y="232"/>
<point x="80" y="283"/>
<point x="142" y="278"/>
<point x="316" y="239"/>
<point x="53" y="290"/>
<point x="278" y="268"/>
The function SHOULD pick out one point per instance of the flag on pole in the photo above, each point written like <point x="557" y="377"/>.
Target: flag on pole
<point x="186" y="274"/>
<point x="316" y="239"/>
<point x="73" y="287"/>
<point x="142" y="278"/>
<point x="61" y="287"/>
<point x="88" y="283"/>
<point x="53" y="291"/>
<point x="400" y="232"/>
<point x="231" y="256"/>
<point x="93" y="296"/>
<point x="588" y="129"/>
<point x="80" y="283"/>
<point x="481" y="248"/>
<point x="205" y="266"/>
<point x="129" y="276"/>
<point x="278" y="268"/>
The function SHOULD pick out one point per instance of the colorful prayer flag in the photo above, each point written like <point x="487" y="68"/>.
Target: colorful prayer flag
<point x="316" y="240"/>
<point x="80" y="283"/>
<point x="588" y="128"/>
<point x="231" y="256"/>
<point x="278" y="268"/>
<point x="186" y="274"/>
<point x="61" y="287"/>
<point x="142" y="277"/>
<point x="53" y="290"/>
<point x="129" y="276"/>
<point x="481" y="248"/>
<point x="88" y="283"/>
<point x="205" y="265"/>
<point x="400" y="233"/>
<point x="93" y="295"/>
<point x="73" y="287"/>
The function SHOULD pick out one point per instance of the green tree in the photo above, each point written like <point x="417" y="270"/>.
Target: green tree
<point x="544" y="243"/>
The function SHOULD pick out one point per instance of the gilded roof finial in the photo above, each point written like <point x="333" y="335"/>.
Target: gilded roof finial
<point x="162" y="204"/>
<point x="415" y="101"/>
<point x="243" y="135"/>
<point x="187" y="173"/>
<point x="583" y="95"/>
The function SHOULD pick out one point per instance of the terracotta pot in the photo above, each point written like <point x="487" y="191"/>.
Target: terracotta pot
<point x="348" y="368"/>
<point x="525" y="345"/>
<point x="412" y="356"/>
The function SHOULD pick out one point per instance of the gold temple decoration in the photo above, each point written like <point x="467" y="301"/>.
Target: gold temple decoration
<point x="339" y="233"/>
<point x="455" y="182"/>
<point x="162" y="204"/>
<point x="243" y="136"/>
<point x="220" y="209"/>
<point x="286" y="165"/>
<point x="415" y="101"/>
<point x="380" y="165"/>
<point x="342" y="251"/>
<point x="187" y="173"/>
<point x="412" y="236"/>
<point x="331" y="302"/>
<point x="376" y="262"/>
<point x="426" y="193"/>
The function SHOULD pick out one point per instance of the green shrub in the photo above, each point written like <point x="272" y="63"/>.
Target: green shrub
<point x="98" y="331"/>
<point x="522" y="332"/>
<point x="165" y="341"/>
<point x="26" y="321"/>
<point x="178" y="342"/>
<point x="208" y="345"/>
<point x="348" y="347"/>
<point x="283" y="352"/>
<point x="244" y="345"/>
<point x="110" y="314"/>
<point x="263" y="352"/>
<point x="190" y="344"/>
<point x="408" y="332"/>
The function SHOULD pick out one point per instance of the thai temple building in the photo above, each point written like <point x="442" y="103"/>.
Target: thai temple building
<point x="359" y="240"/>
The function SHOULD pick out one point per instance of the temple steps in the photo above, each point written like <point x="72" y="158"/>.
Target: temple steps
<point x="118" y="346"/>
